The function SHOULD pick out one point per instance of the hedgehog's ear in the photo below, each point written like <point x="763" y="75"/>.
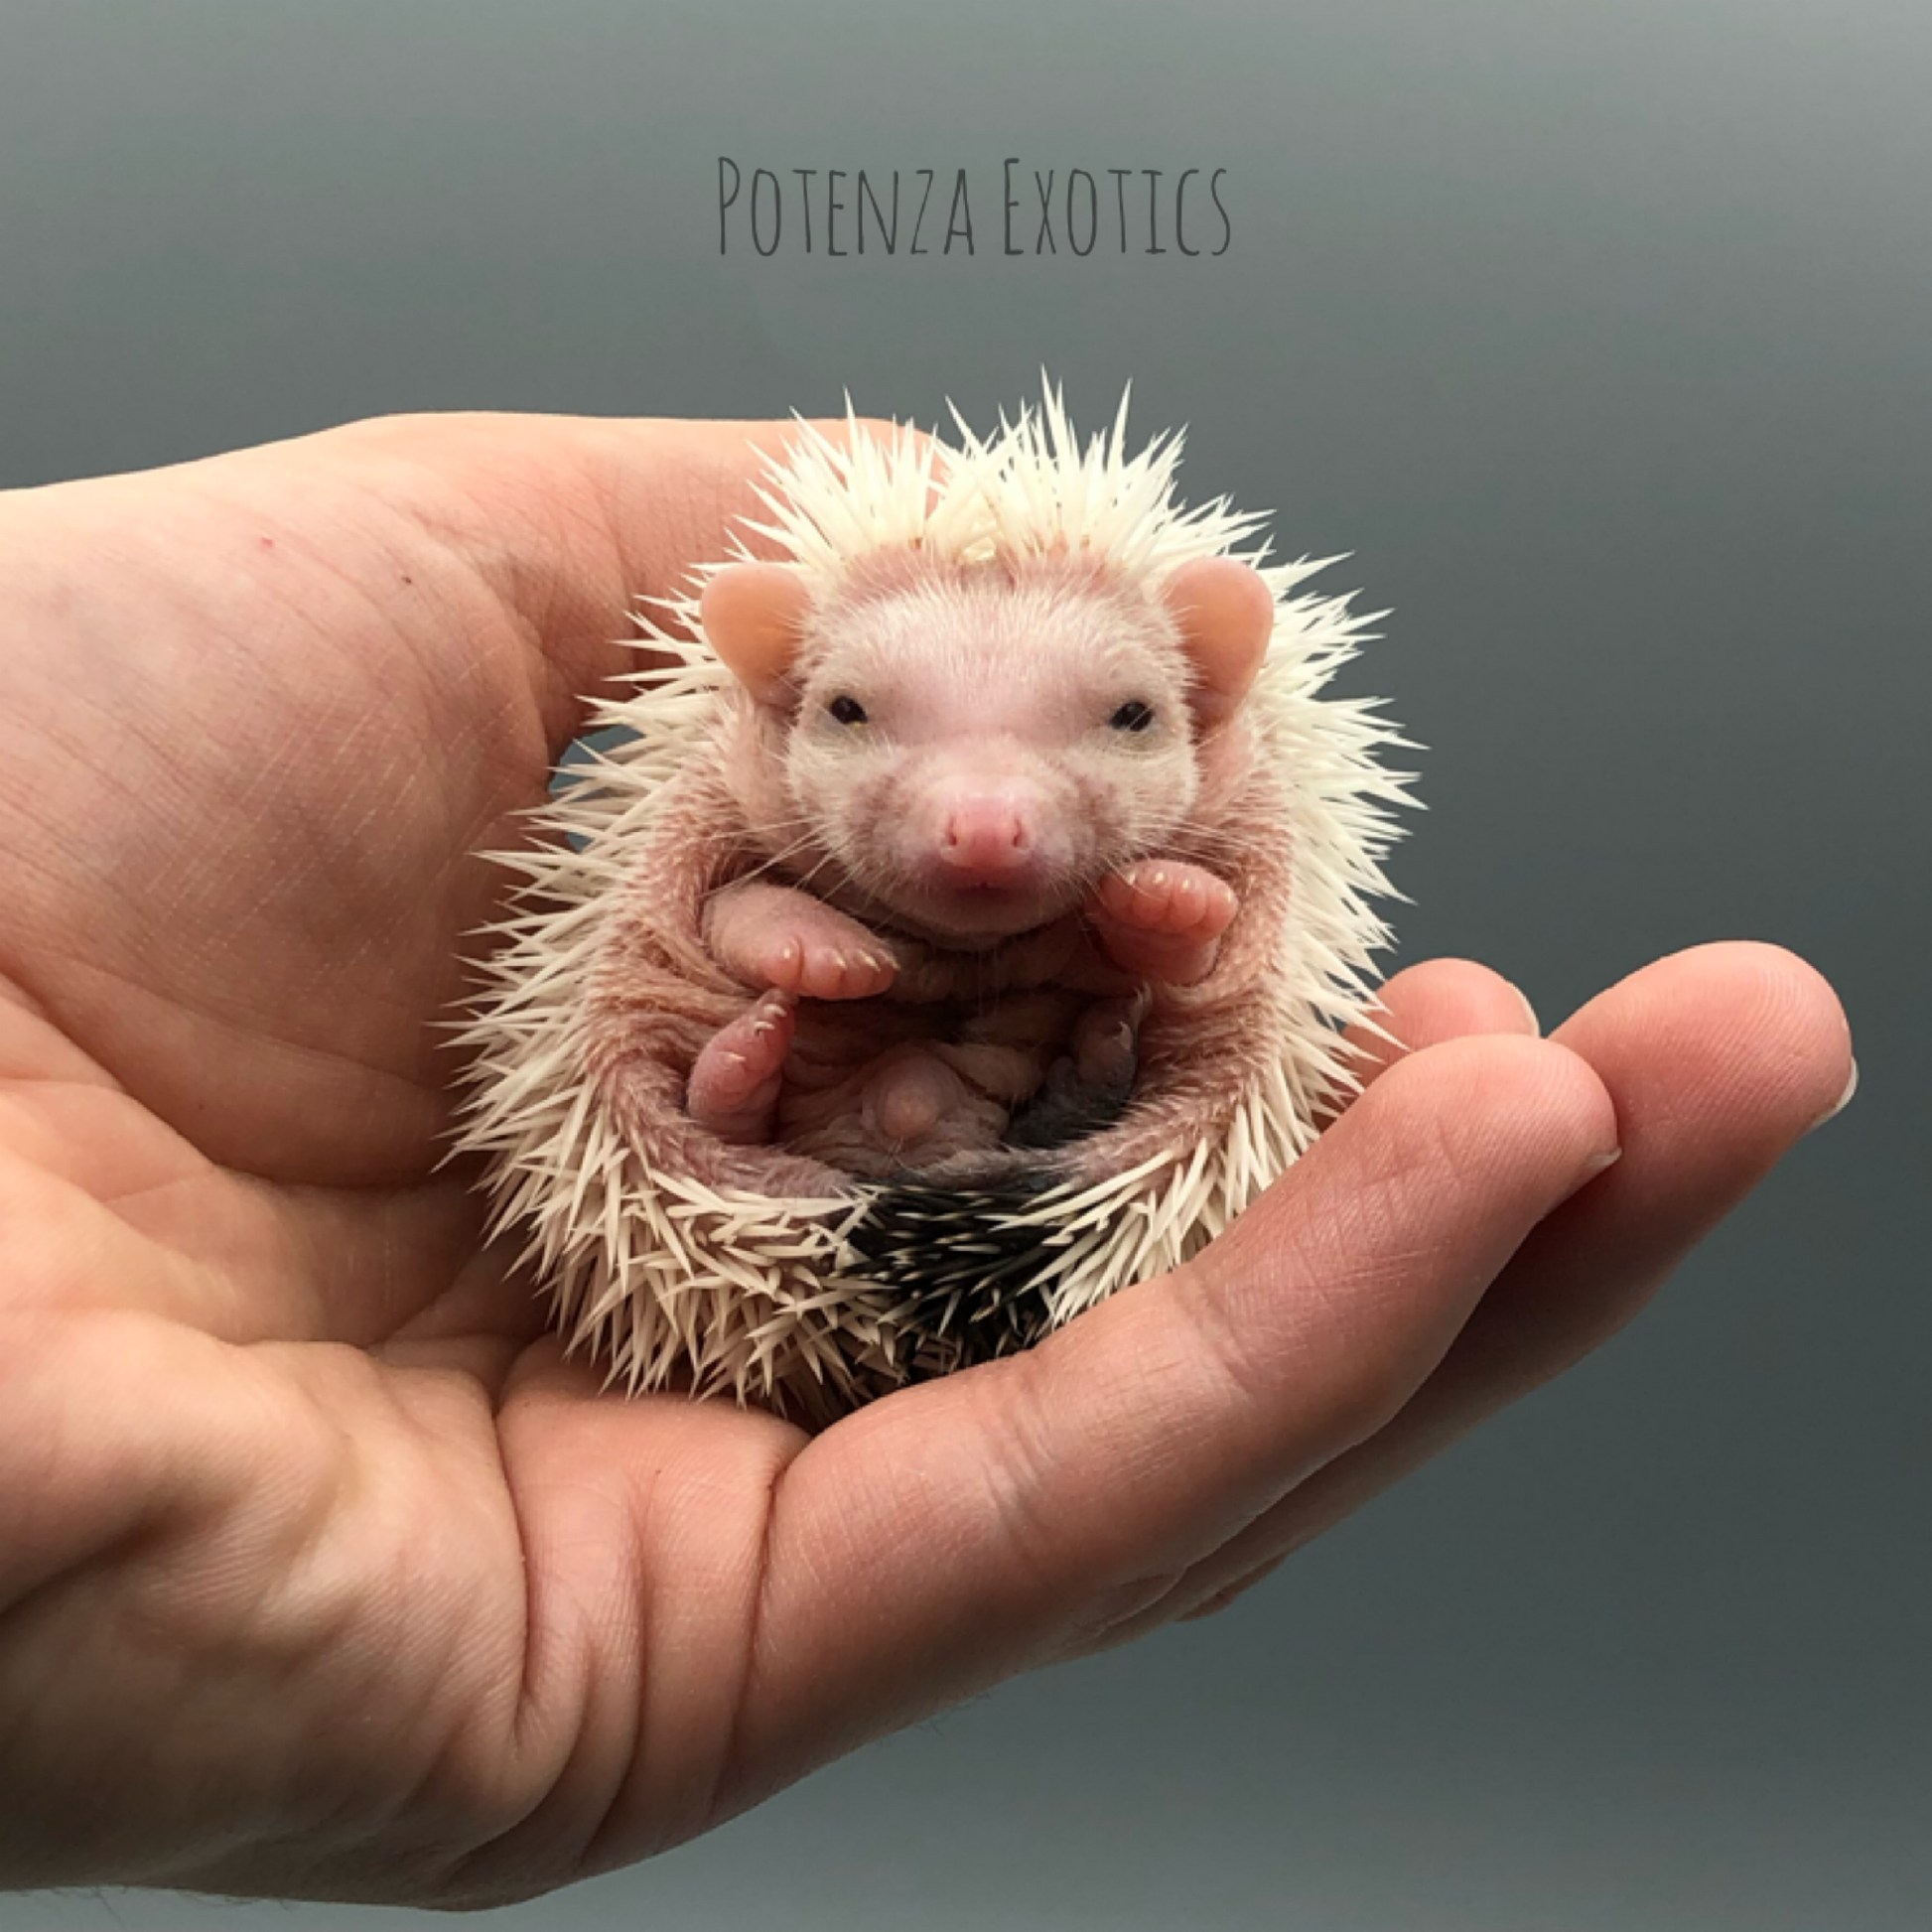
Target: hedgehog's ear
<point x="753" y="615"/>
<point x="1225" y="613"/>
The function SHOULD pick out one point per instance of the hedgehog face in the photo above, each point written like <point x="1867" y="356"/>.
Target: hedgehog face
<point x="967" y="749"/>
<point x="974" y="756"/>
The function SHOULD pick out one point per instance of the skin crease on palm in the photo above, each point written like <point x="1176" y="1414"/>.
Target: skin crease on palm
<point x="321" y="1573"/>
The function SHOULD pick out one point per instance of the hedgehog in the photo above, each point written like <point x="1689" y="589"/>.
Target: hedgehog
<point x="952" y="921"/>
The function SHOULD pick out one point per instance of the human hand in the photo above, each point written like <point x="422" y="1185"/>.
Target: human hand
<point x="321" y="1573"/>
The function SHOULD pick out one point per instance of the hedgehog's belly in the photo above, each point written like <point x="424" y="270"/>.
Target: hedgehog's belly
<point x="951" y="1080"/>
<point x="906" y="1109"/>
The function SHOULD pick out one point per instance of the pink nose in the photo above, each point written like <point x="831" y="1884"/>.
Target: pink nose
<point x="985" y="838"/>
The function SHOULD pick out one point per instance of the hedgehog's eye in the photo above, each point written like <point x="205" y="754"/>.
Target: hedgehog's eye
<point x="848" y="711"/>
<point x="1132" y="716"/>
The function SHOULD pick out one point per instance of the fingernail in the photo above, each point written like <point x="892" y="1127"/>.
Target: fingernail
<point x="1838" y="1105"/>
<point x="1593" y="1168"/>
<point x="1529" y="1013"/>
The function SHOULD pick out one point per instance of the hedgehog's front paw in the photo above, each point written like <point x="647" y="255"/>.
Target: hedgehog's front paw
<point x="735" y="1082"/>
<point x="841" y="965"/>
<point x="778" y="936"/>
<point x="1162" y="919"/>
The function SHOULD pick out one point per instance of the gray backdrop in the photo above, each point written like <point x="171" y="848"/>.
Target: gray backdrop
<point x="1601" y="335"/>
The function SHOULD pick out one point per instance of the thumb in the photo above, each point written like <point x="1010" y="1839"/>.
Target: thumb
<point x="574" y="518"/>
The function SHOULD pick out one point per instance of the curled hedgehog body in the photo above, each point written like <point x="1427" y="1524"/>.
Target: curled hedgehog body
<point x="776" y="1267"/>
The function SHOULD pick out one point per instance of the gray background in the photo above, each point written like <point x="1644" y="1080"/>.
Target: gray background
<point x="1602" y="337"/>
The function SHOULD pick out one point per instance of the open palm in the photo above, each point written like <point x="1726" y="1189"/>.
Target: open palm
<point x="321" y="1573"/>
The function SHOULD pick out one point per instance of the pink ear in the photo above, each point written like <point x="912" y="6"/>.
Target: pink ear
<point x="752" y="615"/>
<point x="1226" y="615"/>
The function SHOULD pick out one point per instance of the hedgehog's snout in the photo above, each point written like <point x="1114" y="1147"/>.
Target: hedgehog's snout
<point x="987" y="838"/>
<point x="978" y="849"/>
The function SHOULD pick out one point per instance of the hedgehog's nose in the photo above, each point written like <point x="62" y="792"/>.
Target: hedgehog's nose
<point x="985" y="839"/>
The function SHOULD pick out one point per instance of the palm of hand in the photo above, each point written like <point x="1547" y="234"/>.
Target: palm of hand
<point x="320" y="1573"/>
<point x="243" y="847"/>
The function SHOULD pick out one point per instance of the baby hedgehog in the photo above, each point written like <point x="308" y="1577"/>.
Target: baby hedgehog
<point x="959" y="934"/>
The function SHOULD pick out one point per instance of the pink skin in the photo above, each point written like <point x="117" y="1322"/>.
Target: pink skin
<point x="739" y="1079"/>
<point x="908" y="1095"/>
<point x="987" y="837"/>
<point x="779" y="937"/>
<point x="736" y="1081"/>
<point x="784" y="939"/>
<point x="1157" y="919"/>
<point x="1162" y="919"/>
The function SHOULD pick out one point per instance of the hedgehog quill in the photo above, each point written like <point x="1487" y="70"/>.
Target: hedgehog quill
<point x="960" y="934"/>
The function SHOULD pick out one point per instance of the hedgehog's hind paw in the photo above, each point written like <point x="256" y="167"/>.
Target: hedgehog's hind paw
<point x="736" y="1080"/>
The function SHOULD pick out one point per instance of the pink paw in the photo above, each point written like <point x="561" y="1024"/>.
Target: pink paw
<point x="1168" y="896"/>
<point x="1163" y="919"/>
<point x="735" y="1082"/>
<point x="827" y="967"/>
<point x="778" y="937"/>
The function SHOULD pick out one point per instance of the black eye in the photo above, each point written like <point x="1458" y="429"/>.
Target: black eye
<point x="1132" y="716"/>
<point x="848" y="711"/>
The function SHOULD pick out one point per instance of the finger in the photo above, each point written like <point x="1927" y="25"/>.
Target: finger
<point x="1717" y="1060"/>
<point x="1438" y="1000"/>
<point x="956" y="1532"/>
<point x="641" y="1524"/>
